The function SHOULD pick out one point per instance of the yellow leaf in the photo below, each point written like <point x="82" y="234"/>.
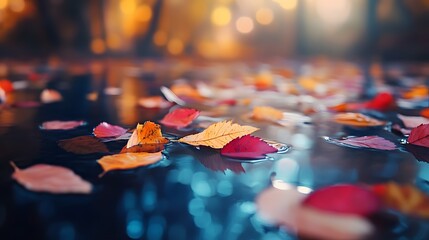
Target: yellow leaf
<point x="128" y="160"/>
<point x="357" y="120"/>
<point x="218" y="135"/>
<point x="265" y="113"/>
<point x="146" y="133"/>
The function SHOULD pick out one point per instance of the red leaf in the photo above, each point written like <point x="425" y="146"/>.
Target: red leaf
<point x="420" y="136"/>
<point x="348" y="199"/>
<point x="83" y="145"/>
<point x="52" y="179"/>
<point x="247" y="147"/>
<point x="381" y="102"/>
<point x="180" y="117"/>
<point x="374" y="142"/>
<point x="61" y="125"/>
<point x="105" y="130"/>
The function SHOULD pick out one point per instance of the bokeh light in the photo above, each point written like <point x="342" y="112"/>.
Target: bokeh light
<point x="98" y="46"/>
<point x="160" y="38"/>
<point x="3" y="4"/>
<point x="264" y="16"/>
<point x="333" y="12"/>
<point x="244" y="24"/>
<point x="288" y="4"/>
<point x="144" y="13"/>
<point x="221" y="16"/>
<point x="175" y="46"/>
<point x="17" y="5"/>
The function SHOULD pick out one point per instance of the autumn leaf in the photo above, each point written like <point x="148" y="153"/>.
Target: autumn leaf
<point x="425" y="112"/>
<point x="417" y="92"/>
<point x="61" y="125"/>
<point x="151" y="148"/>
<point x="6" y="85"/>
<point x="374" y="142"/>
<point x="381" y="102"/>
<point x="218" y="135"/>
<point x="405" y="198"/>
<point x="344" y="199"/>
<point x="153" y="102"/>
<point x="357" y="120"/>
<point x="265" y="113"/>
<point x="247" y="147"/>
<point x="105" y="130"/>
<point x="180" y="117"/>
<point x="412" y="121"/>
<point x="83" y="145"/>
<point x="147" y="133"/>
<point x="52" y="179"/>
<point x="419" y="136"/>
<point x="124" y="161"/>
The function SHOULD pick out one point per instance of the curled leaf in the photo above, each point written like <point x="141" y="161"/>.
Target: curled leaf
<point x="247" y="147"/>
<point x="52" y="179"/>
<point x="83" y="145"/>
<point x="146" y="133"/>
<point x="180" y="117"/>
<point x="420" y="136"/>
<point x="124" y="161"/>
<point x="61" y="125"/>
<point x="374" y="142"/>
<point x="357" y="120"/>
<point x="218" y="135"/>
<point x="105" y="130"/>
<point x="405" y="198"/>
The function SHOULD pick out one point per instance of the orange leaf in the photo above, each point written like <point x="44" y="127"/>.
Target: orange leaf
<point x="151" y="148"/>
<point x="264" y="113"/>
<point x="128" y="160"/>
<point x="419" y="91"/>
<point x="425" y="112"/>
<point x="357" y="120"/>
<point x="405" y="198"/>
<point x="154" y="102"/>
<point x="218" y="135"/>
<point x="147" y="133"/>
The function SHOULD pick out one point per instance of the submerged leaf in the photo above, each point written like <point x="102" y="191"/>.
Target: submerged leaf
<point x="83" y="145"/>
<point x="420" y="136"/>
<point x="218" y="135"/>
<point x="180" y="117"/>
<point x="357" y="120"/>
<point x="146" y="133"/>
<point x="128" y="160"/>
<point x="52" y="179"/>
<point x="374" y="142"/>
<point x="405" y="198"/>
<point x="61" y="125"/>
<point x="105" y="130"/>
<point x="247" y="147"/>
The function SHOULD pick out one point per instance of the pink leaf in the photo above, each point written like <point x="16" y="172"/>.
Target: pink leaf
<point x="247" y="147"/>
<point x="52" y="179"/>
<point x="374" y="142"/>
<point x="412" y="121"/>
<point x="105" y="130"/>
<point x="346" y="199"/>
<point x="61" y="125"/>
<point x="180" y="117"/>
<point x="420" y="136"/>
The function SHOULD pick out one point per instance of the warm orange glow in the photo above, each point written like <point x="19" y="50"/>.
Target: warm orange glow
<point x="3" y="4"/>
<point x="175" y="46"/>
<point x="114" y="42"/>
<point x="333" y="12"/>
<point x="264" y="16"/>
<point x="221" y="16"/>
<point x="288" y="4"/>
<point x="244" y="24"/>
<point x="128" y="6"/>
<point x="17" y="5"/>
<point x="144" y="13"/>
<point x="160" y="38"/>
<point x="98" y="46"/>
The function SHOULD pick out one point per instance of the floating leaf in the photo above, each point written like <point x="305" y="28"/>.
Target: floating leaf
<point x="425" y="112"/>
<point x="264" y="113"/>
<point x="124" y="161"/>
<point x="143" y="148"/>
<point x="52" y="179"/>
<point x="180" y="117"/>
<point x="105" y="130"/>
<point x="247" y="147"/>
<point x="345" y="198"/>
<point x="357" y="120"/>
<point x="146" y="133"/>
<point x="405" y="198"/>
<point x="153" y="102"/>
<point x="420" y="136"/>
<point x="218" y="135"/>
<point x="83" y="145"/>
<point x="417" y="92"/>
<point x="50" y="96"/>
<point x="374" y="142"/>
<point x="412" y="121"/>
<point x="61" y="125"/>
<point x="381" y="102"/>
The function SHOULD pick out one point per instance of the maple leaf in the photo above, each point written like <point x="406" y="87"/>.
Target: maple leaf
<point x="61" y="125"/>
<point x="218" y="135"/>
<point x="83" y="145"/>
<point x="105" y="130"/>
<point x="146" y="133"/>
<point x="405" y="198"/>
<point x="420" y="135"/>
<point x="247" y="147"/>
<point x="357" y="120"/>
<point x="374" y="142"/>
<point x="52" y="179"/>
<point x="180" y="117"/>
<point x="124" y="161"/>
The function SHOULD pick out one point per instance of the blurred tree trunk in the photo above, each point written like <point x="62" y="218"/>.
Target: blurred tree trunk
<point x="144" y="43"/>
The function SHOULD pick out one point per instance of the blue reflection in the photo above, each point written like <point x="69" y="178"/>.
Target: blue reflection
<point x="196" y="207"/>
<point x="201" y="186"/>
<point x="224" y="188"/>
<point x="203" y="220"/>
<point x="149" y="197"/>
<point x="135" y="229"/>
<point x="177" y="232"/>
<point x="248" y="207"/>
<point x="67" y="232"/>
<point x="156" y="227"/>
<point x="185" y="176"/>
<point x="130" y="200"/>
